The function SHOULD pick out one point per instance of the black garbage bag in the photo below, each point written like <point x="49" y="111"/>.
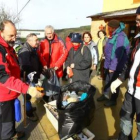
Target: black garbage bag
<point x="76" y="115"/>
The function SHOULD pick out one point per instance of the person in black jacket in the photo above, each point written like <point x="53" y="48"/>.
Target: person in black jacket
<point x="79" y="59"/>
<point x="29" y="62"/>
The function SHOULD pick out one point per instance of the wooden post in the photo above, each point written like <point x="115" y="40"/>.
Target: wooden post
<point x="24" y="106"/>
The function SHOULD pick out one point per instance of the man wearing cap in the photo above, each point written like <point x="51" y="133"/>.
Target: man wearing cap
<point x="79" y="59"/>
<point x="131" y="104"/>
<point x="116" y="54"/>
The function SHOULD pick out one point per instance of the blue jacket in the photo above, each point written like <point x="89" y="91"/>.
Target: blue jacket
<point x="116" y="50"/>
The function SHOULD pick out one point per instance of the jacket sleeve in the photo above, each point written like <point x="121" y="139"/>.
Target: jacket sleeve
<point x="95" y="57"/>
<point x="24" y="61"/>
<point x="126" y="69"/>
<point x="119" y="48"/>
<point x="63" y="56"/>
<point x="40" y="54"/>
<point x="67" y="63"/>
<point x="85" y="61"/>
<point x="8" y="81"/>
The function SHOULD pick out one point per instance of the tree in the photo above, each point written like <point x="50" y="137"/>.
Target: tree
<point x="5" y="14"/>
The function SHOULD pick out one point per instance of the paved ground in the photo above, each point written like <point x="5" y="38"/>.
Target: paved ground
<point x="105" y="125"/>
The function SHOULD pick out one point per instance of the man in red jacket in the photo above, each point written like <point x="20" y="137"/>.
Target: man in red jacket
<point x="52" y="51"/>
<point x="10" y="84"/>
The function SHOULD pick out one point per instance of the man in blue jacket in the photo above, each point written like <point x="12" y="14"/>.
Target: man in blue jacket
<point x="116" y="55"/>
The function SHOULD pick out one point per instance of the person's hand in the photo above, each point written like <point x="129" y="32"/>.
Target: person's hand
<point x="68" y="70"/>
<point x="42" y="77"/>
<point x="55" y="68"/>
<point x="72" y="65"/>
<point x="45" y="67"/>
<point x="34" y="92"/>
<point x="115" y="84"/>
<point x="111" y="71"/>
<point x="93" y="67"/>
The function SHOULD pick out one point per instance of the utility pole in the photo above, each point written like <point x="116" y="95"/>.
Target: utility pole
<point x="17" y="13"/>
<point x="22" y="8"/>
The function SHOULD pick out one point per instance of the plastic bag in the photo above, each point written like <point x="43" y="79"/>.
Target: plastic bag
<point x="17" y="110"/>
<point x="77" y="115"/>
<point x="51" y="85"/>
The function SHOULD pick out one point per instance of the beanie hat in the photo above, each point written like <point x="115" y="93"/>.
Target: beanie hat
<point x="138" y="10"/>
<point x="114" y="23"/>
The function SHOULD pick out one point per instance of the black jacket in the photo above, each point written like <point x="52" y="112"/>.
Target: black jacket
<point x="29" y="60"/>
<point x="82" y="63"/>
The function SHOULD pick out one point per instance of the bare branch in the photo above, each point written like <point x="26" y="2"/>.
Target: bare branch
<point x="5" y="14"/>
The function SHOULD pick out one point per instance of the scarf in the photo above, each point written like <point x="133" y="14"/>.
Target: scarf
<point x="114" y="40"/>
<point x="75" y="47"/>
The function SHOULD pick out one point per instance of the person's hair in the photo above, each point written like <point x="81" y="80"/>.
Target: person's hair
<point x="102" y="32"/>
<point x="4" y="22"/>
<point x="49" y="27"/>
<point x="30" y="35"/>
<point x="88" y="33"/>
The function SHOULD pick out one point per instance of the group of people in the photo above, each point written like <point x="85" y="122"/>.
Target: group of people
<point x="35" y="56"/>
<point x="111" y="57"/>
<point x="122" y="62"/>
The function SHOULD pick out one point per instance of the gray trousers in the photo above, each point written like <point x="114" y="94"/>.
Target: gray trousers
<point x="7" y="120"/>
<point x="131" y="105"/>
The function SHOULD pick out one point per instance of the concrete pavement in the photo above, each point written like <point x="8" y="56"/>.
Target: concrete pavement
<point x="105" y="126"/>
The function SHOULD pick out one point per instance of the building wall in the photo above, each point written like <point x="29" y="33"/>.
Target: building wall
<point x="95" y="28"/>
<point x="24" y="33"/>
<point x="113" y="5"/>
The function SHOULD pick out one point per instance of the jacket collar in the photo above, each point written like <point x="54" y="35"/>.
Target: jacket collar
<point x="3" y="42"/>
<point x="55" y="39"/>
<point x="27" y="45"/>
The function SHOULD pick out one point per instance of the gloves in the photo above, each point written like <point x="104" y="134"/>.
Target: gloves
<point x="115" y="84"/>
<point x="31" y="76"/>
<point x="34" y="92"/>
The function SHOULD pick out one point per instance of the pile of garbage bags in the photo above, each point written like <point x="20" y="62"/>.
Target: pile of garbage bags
<point x="75" y="107"/>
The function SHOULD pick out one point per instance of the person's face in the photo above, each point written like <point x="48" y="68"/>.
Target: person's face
<point x="49" y="34"/>
<point x="87" y="38"/>
<point x="138" y="21"/>
<point x="111" y="30"/>
<point x="101" y="35"/>
<point x="9" y="34"/>
<point x="33" y="41"/>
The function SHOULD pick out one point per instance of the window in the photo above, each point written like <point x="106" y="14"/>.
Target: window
<point x="136" y="1"/>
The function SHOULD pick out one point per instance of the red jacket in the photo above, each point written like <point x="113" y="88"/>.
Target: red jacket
<point x="57" y="57"/>
<point x="68" y="43"/>
<point x="10" y="83"/>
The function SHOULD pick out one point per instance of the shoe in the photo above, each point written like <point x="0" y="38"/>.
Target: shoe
<point x="18" y="135"/>
<point x="33" y="118"/>
<point x="33" y="109"/>
<point x="102" y="98"/>
<point x="110" y="103"/>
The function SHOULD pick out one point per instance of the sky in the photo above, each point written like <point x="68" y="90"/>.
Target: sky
<point x="58" y="13"/>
